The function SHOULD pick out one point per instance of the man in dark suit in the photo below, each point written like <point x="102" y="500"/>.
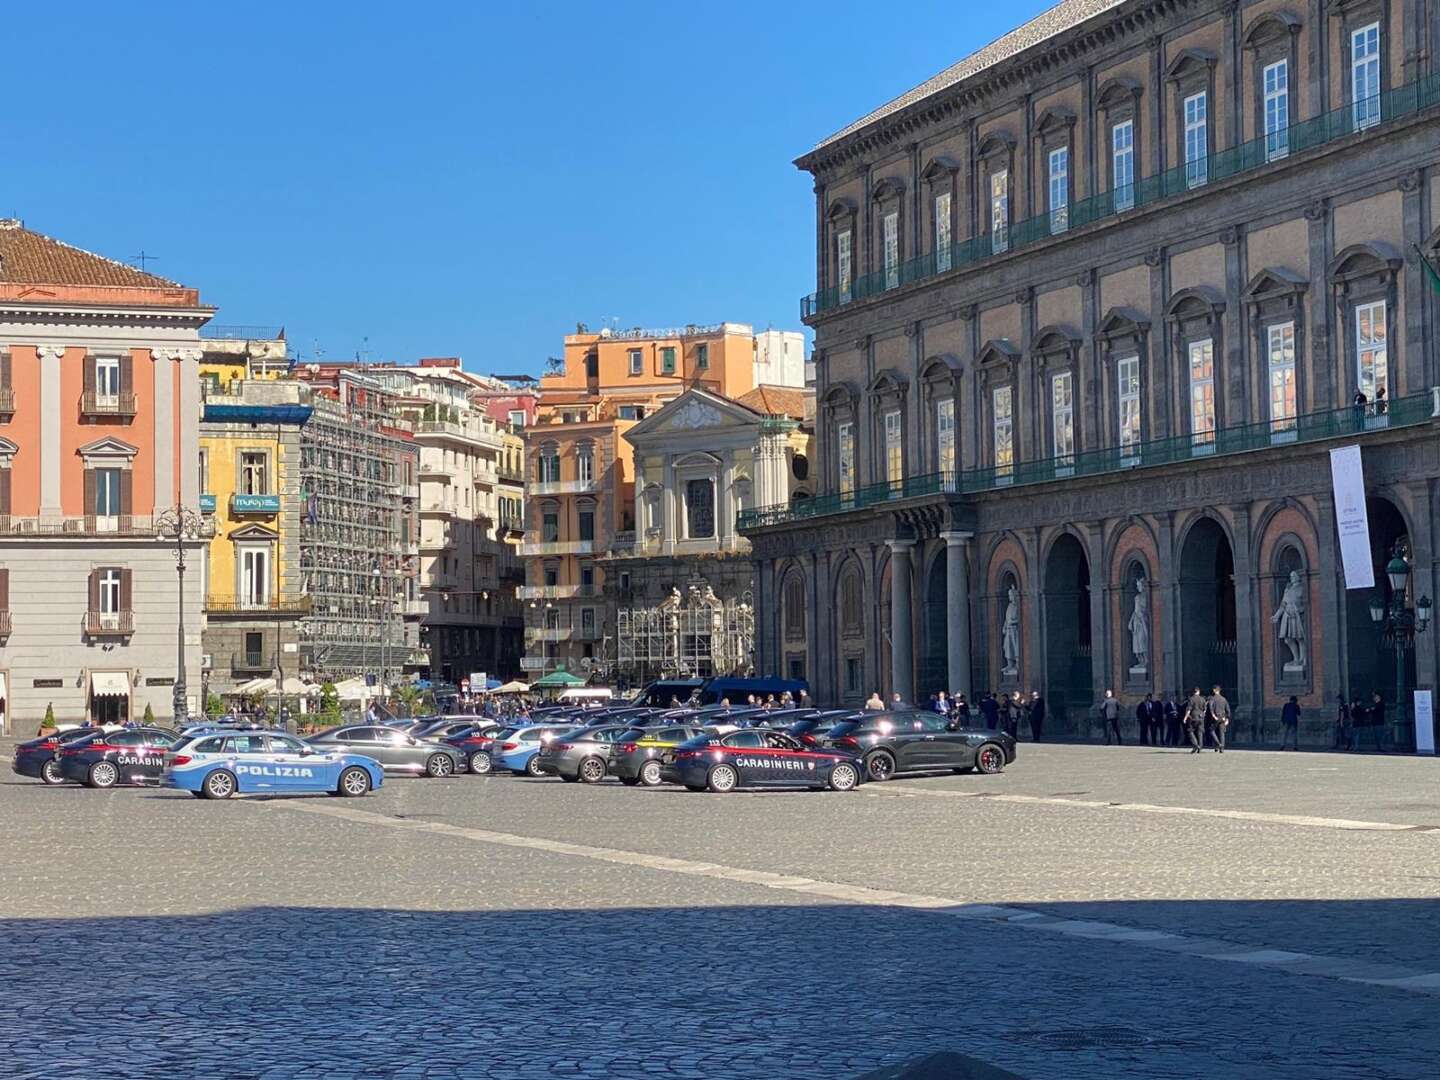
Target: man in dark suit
<point x="1037" y="715"/>
<point x="1148" y="716"/>
<point x="990" y="709"/>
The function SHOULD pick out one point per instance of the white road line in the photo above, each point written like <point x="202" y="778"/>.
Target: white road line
<point x="901" y="790"/>
<point x="1389" y="975"/>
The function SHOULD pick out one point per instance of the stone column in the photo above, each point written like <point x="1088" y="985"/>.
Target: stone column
<point x="162" y="364"/>
<point x="902" y="665"/>
<point x="1250" y="688"/>
<point x="957" y="611"/>
<point x="50" y="359"/>
<point x="668" y="531"/>
<point x="725" y="482"/>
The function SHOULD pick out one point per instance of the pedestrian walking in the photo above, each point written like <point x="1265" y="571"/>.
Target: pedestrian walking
<point x="804" y="702"/>
<point x="1344" y="725"/>
<point x="1037" y="715"/>
<point x="1290" y="723"/>
<point x="1148" y="716"/>
<point x="1195" y="710"/>
<point x="1219" y="710"/>
<point x="990" y="710"/>
<point x="896" y="701"/>
<point x="1377" y="719"/>
<point x="1110" y="717"/>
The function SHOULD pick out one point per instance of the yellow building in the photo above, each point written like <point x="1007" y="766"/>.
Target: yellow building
<point x="250" y="487"/>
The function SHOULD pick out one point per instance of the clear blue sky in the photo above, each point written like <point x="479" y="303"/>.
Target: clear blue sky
<point x="456" y="178"/>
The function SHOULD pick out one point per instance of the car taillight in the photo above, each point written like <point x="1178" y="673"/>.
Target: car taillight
<point x="180" y="759"/>
<point x="848" y="742"/>
<point x="509" y="746"/>
<point x="687" y="754"/>
<point x="100" y="746"/>
<point x="626" y="747"/>
<point x="562" y="746"/>
<point x="48" y="744"/>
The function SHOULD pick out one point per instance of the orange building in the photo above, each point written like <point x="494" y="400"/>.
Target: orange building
<point x="99" y="435"/>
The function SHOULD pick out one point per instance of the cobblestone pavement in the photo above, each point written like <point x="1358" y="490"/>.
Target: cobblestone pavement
<point x="510" y="928"/>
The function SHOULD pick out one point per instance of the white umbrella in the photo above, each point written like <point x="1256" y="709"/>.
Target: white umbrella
<point x="515" y="686"/>
<point x="256" y="686"/>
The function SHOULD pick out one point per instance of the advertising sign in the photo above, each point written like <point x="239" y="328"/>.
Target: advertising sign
<point x="1347" y="478"/>
<point x="1424" y="722"/>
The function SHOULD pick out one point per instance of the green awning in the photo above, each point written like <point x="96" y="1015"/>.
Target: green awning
<point x="559" y="677"/>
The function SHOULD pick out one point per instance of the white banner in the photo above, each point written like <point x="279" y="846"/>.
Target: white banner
<point x="1424" y="723"/>
<point x="1347" y="479"/>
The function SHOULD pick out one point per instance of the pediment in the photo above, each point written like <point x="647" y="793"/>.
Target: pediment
<point x="1190" y="62"/>
<point x="109" y="446"/>
<point x="1054" y="119"/>
<point x="1055" y="339"/>
<point x="888" y="381"/>
<point x="998" y="351"/>
<point x="840" y="209"/>
<point x="8" y="448"/>
<point x="1122" y="322"/>
<point x="941" y="167"/>
<point x="889" y="187"/>
<point x="1120" y="91"/>
<point x="694" y="410"/>
<point x="1275" y="281"/>
<point x="1270" y="26"/>
<point x="253" y="533"/>
<point x="1194" y="303"/>
<point x="997" y="142"/>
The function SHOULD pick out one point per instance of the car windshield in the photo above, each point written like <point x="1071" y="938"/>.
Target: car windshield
<point x="630" y="735"/>
<point x="845" y="727"/>
<point x="697" y="742"/>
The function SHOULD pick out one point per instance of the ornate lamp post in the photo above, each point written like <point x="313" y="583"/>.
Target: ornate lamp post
<point x="179" y="524"/>
<point x="1399" y="620"/>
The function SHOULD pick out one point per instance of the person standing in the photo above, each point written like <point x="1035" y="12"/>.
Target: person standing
<point x="1219" y="709"/>
<point x="1011" y="715"/>
<point x="990" y="710"/>
<point x="1195" y="710"/>
<point x="1290" y="723"/>
<point x="1377" y="719"/>
<point x="960" y="709"/>
<point x="1344" y="725"/>
<point x="1170" y="712"/>
<point x="1110" y="717"/>
<point x="1148" y="717"/>
<point x="875" y="703"/>
<point x="1037" y="715"/>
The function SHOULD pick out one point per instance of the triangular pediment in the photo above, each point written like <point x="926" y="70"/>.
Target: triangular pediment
<point x="254" y="532"/>
<point x="694" y="410"/>
<point x="1275" y="281"/>
<point x="109" y="446"/>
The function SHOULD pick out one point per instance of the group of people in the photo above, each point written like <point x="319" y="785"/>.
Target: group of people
<point x="1003" y="713"/>
<point x="1199" y="720"/>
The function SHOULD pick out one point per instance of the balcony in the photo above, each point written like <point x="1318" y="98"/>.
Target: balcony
<point x="1361" y="120"/>
<point x="513" y="525"/>
<point x="122" y="525"/>
<point x="559" y="547"/>
<point x="263" y="505"/>
<point x="109" y="623"/>
<point x="97" y="404"/>
<point x="433" y="471"/>
<point x="437" y="509"/>
<point x="536" y="663"/>
<point x="536" y="633"/>
<point x="415" y="608"/>
<point x="7" y="401"/>
<point x="275" y="605"/>
<point x="251" y="664"/>
<point x="6" y="624"/>
<point x="564" y="487"/>
<point x="555" y="592"/>
<point x="1348" y="422"/>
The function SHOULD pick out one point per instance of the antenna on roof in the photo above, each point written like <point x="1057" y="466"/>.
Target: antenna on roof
<point x="143" y="258"/>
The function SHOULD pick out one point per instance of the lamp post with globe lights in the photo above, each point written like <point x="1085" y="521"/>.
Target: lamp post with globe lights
<point x="1398" y="620"/>
<point x="179" y="524"/>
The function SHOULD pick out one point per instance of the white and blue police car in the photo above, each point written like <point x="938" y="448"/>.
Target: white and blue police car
<point x="216" y="765"/>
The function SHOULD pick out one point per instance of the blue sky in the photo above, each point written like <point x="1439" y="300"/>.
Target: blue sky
<point x="456" y="178"/>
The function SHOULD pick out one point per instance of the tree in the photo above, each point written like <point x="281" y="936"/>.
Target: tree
<point x="409" y="696"/>
<point x="49" y="721"/>
<point x="214" y="706"/>
<point x="149" y="714"/>
<point x="330" y="714"/>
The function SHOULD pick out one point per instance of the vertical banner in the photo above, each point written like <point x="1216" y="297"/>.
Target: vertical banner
<point x="1424" y="722"/>
<point x="1347" y="479"/>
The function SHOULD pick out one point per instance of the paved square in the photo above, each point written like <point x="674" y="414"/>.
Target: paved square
<point x="1094" y="912"/>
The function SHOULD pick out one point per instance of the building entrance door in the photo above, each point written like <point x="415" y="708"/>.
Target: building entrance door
<point x="1068" y="680"/>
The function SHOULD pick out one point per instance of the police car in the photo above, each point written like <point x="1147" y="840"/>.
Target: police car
<point x="37" y="757"/>
<point x="108" y="758"/>
<point x="754" y="757"/>
<point x="220" y="765"/>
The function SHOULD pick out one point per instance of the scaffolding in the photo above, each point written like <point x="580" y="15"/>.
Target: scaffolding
<point x="358" y="545"/>
<point x="692" y="636"/>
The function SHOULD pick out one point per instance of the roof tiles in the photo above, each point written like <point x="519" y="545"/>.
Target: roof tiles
<point x="31" y="258"/>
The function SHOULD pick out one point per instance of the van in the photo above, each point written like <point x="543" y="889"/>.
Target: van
<point x="586" y="695"/>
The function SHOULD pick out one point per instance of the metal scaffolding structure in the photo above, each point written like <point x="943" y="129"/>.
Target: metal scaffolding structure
<point x="693" y="636"/>
<point x="358" y="547"/>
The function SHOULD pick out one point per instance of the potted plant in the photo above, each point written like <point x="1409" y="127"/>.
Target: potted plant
<point x="47" y="726"/>
<point x="149" y="717"/>
<point x="214" y="706"/>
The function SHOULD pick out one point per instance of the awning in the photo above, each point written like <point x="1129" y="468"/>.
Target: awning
<point x="109" y="684"/>
<point x="255" y="686"/>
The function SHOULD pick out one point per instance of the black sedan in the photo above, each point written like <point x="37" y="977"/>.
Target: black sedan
<point x="37" y="757"/>
<point x="635" y="756"/>
<point x="105" y="759"/>
<point x="474" y="743"/>
<point x="913" y="739"/>
<point x="758" y="758"/>
<point x="396" y="751"/>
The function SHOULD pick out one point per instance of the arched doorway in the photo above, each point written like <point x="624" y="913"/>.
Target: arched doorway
<point x="1207" y="610"/>
<point x="934" y="658"/>
<point x="1370" y="652"/>
<point x="1068" y="682"/>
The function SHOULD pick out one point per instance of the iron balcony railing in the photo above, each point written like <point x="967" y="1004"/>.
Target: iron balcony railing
<point x="1351" y="120"/>
<point x="6" y="623"/>
<point x="102" y="623"/>
<point x="7" y="400"/>
<point x="95" y="404"/>
<point x="251" y="663"/>
<point x="1243" y="438"/>
<point x="238" y="605"/>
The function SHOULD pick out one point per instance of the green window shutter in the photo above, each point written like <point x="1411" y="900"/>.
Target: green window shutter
<point x="667" y="361"/>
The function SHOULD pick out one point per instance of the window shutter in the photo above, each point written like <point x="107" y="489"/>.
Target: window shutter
<point x="4" y="590"/>
<point x="4" y="492"/>
<point x="127" y="374"/>
<point x="5" y="382"/>
<point x="89" y="374"/>
<point x="127" y="493"/>
<point x="124" y="590"/>
<point x="94" y="590"/>
<point x="89" y="508"/>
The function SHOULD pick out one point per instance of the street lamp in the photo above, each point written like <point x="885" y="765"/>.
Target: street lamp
<point x="1399" y="620"/>
<point x="179" y="524"/>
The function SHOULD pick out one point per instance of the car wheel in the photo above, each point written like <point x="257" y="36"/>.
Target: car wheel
<point x="480" y="763"/>
<point x="532" y="767"/>
<point x="439" y="765"/>
<point x="723" y="778"/>
<point x="990" y="759"/>
<point x="354" y="782"/>
<point x="50" y="772"/>
<point x="630" y="781"/>
<point x="219" y="785"/>
<point x="880" y="766"/>
<point x="844" y="777"/>
<point x="592" y="770"/>
<point x="103" y="774"/>
<point x="650" y="774"/>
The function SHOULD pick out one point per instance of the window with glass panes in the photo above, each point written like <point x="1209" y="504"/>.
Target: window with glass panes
<point x="842" y="264"/>
<point x="1062" y="415"/>
<point x="1060" y="189"/>
<point x="107" y="493"/>
<point x="1276" y="86"/>
<point x="1000" y="210"/>
<point x="1202" y="390"/>
<point x="894" y="452"/>
<point x="845" y="457"/>
<point x="1127" y="385"/>
<point x="110" y="591"/>
<point x="1003" y="427"/>
<point x="1280" y="352"/>
<point x="1365" y="75"/>
<point x="667" y="360"/>
<point x="890" y="225"/>
<point x="945" y="435"/>
<point x="1197" y="139"/>
<point x="942" y="231"/>
<point x="1371" y="354"/>
<point x="702" y="356"/>
<point x="254" y="467"/>
<point x="637" y="361"/>
<point x="585" y="463"/>
<point x="1122" y="164"/>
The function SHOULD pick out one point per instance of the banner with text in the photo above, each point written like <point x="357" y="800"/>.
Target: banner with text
<point x="1424" y="722"/>
<point x="1347" y="478"/>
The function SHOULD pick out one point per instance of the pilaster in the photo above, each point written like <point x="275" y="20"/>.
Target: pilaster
<point x="51" y="357"/>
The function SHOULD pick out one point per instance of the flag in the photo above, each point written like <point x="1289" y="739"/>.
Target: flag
<point x="1430" y="271"/>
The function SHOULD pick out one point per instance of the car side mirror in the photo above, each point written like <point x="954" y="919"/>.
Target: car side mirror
<point x="306" y="751"/>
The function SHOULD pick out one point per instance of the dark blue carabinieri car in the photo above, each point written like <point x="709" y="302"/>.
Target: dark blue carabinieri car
<point x="134" y="756"/>
<point x="758" y="758"/>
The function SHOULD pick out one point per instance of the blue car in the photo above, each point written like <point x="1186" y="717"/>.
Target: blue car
<point x="517" y="750"/>
<point x="216" y="766"/>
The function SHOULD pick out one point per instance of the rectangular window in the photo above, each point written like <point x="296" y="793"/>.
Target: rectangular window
<point x="204" y="471"/>
<point x="842" y="265"/>
<point x="107" y="379"/>
<point x="254" y="577"/>
<point x="629" y="412"/>
<point x="845" y="456"/>
<point x="1280" y="350"/>
<point x="1197" y="140"/>
<point x="110" y="592"/>
<point x="587" y="525"/>
<point x="552" y="576"/>
<point x="550" y="528"/>
<point x="1000" y="211"/>
<point x="587" y="623"/>
<point x="254" y="648"/>
<point x="894" y="451"/>
<point x="1122" y="164"/>
<point x="1060" y="189"/>
<point x="890" y="226"/>
<point x="1062" y="416"/>
<point x="1002" y="408"/>
<point x="945" y="435"/>
<point x="637" y="361"/>
<point x="667" y="360"/>
<point x="1202" y="393"/>
<point x="702" y="356"/>
<point x="587" y="576"/>
<point x="517" y="418"/>
<point x="852" y="675"/>
<point x="699" y="509"/>
<point x="107" y="493"/>
<point x="1365" y="75"/>
<point x="1276" y="79"/>
<point x="253" y="479"/>
<point x="942" y="232"/>
<point x="585" y="466"/>
<point x="1370" y="349"/>
<point x="1127" y="379"/>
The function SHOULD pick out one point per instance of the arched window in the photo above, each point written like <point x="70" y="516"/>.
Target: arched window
<point x="585" y="462"/>
<point x="549" y="463"/>
<point x="852" y="619"/>
<point x="794" y="607"/>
